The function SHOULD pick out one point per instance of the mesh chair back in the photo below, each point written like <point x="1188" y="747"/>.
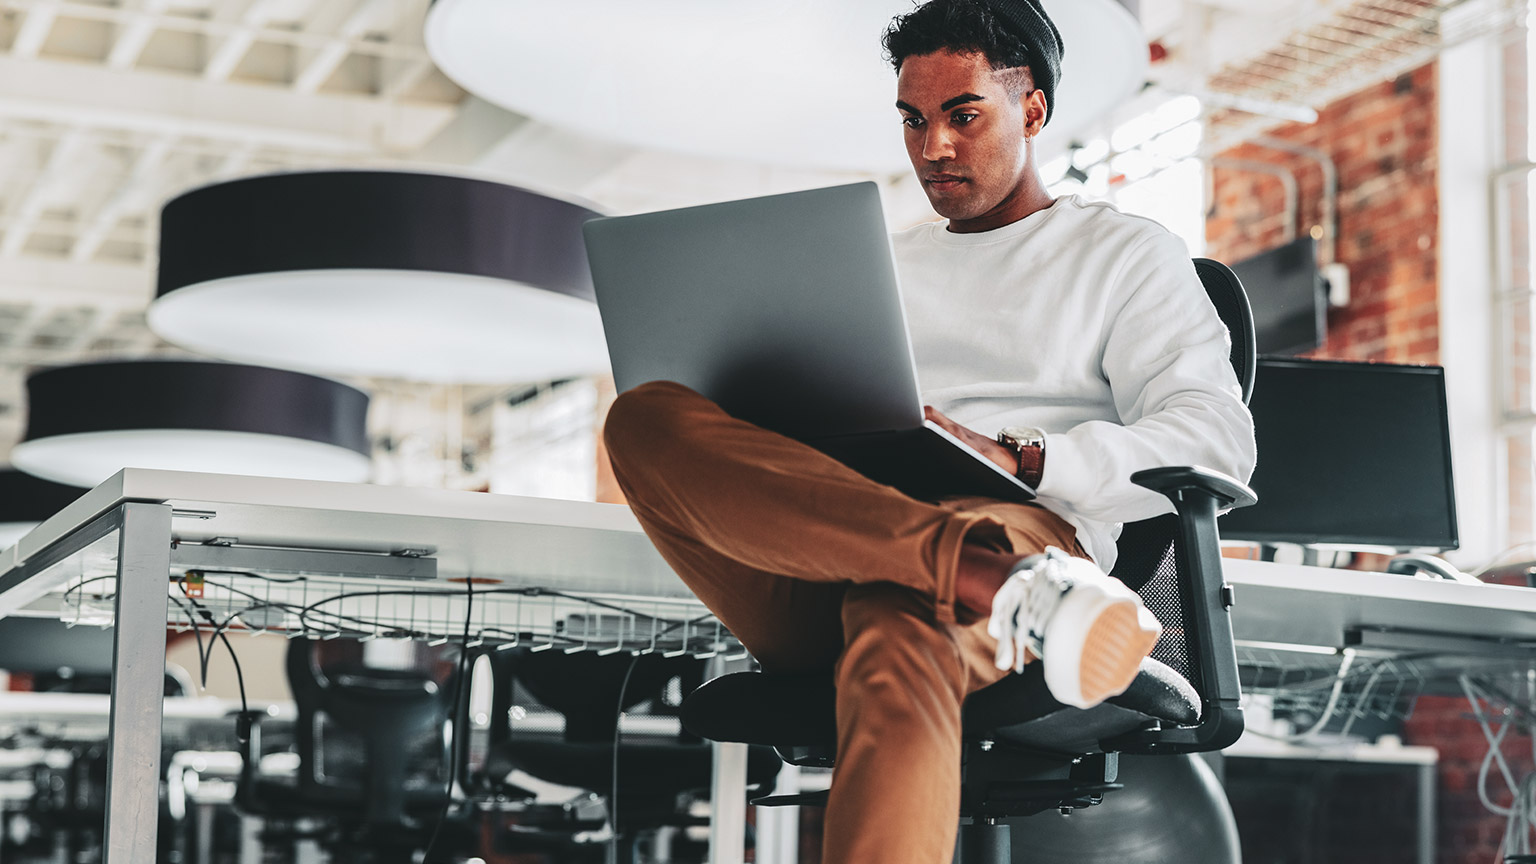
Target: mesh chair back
<point x="1149" y="558"/>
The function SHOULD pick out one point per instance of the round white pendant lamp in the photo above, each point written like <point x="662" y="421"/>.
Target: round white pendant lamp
<point x="795" y="82"/>
<point x="87" y="422"/>
<point x="393" y="274"/>
<point x="26" y="501"/>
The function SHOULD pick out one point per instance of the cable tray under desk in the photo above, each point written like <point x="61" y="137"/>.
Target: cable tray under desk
<point x="1375" y="678"/>
<point x="1301" y="683"/>
<point x="325" y="606"/>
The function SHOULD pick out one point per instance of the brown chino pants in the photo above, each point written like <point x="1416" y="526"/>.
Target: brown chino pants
<point x="812" y="565"/>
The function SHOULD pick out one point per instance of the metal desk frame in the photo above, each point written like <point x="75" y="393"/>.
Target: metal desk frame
<point x="138" y="666"/>
<point x="593" y="536"/>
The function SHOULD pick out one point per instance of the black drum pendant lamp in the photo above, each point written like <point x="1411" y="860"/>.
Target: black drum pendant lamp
<point x="87" y="422"/>
<point x="26" y="501"/>
<point x="395" y="274"/>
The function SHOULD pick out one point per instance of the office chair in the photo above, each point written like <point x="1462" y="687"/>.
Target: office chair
<point x="1023" y="751"/>
<point x="655" y="768"/>
<point x="372" y="756"/>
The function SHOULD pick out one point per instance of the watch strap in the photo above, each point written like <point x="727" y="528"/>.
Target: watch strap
<point x="1029" y="446"/>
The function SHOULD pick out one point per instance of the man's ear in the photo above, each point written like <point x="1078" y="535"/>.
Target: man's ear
<point x="1033" y="103"/>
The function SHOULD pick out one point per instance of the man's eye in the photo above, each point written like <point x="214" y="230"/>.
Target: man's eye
<point x="963" y="119"/>
<point x="911" y="122"/>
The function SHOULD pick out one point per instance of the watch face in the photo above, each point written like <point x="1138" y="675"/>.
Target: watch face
<point x="1023" y="436"/>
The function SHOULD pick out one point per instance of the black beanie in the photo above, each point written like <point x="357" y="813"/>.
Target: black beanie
<point x="1042" y="42"/>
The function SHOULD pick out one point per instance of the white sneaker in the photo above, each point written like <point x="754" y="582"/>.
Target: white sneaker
<point x="1089" y="629"/>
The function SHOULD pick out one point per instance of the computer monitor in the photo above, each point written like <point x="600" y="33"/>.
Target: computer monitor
<point x="1289" y="300"/>
<point x="1355" y="454"/>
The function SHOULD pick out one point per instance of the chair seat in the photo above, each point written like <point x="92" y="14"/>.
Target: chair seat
<point x="646" y="767"/>
<point x="800" y="710"/>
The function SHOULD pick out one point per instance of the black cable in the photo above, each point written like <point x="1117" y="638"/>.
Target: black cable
<point x="242" y="725"/>
<point x="251" y="573"/>
<point x="239" y="677"/>
<point x="202" y="661"/>
<point x="364" y="626"/>
<point x="304" y="612"/>
<point x="613" y="801"/>
<point x="527" y="592"/>
<point x="453" y="703"/>
<point x="78" y="585"/>
<point x="261" y="603"/>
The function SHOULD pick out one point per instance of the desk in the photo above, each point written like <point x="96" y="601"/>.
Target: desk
<point x="138" y="528"/>
<point x="1318" y="607"/>
<point x="136" y="532"/>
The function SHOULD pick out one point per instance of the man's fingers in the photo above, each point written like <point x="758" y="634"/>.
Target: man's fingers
<point x="933" y="414"/>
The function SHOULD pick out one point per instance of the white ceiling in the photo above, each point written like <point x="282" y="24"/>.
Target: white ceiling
<point x="110" y="107"/>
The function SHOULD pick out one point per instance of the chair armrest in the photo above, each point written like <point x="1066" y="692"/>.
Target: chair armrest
<point x="1198" y="494"/>
<point x="1174" y="482"/>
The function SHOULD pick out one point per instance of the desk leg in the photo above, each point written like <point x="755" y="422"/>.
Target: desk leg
<point x="728" y="800"/>
<point x="778" y="828"/>
<point x="138" y="684"/>
<point x="1427" y="781"/>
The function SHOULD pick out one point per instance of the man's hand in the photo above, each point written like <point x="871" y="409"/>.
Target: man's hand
<point x="988" y="447"/>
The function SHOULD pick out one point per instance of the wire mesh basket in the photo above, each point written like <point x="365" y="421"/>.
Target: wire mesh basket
<point x="320" y="607"/>
<point x="1333" y="689"/>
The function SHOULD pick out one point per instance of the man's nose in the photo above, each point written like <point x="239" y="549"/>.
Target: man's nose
<point x="938" y="144"/>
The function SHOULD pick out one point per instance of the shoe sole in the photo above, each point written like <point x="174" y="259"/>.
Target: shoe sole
<point x="1116" y="644"/>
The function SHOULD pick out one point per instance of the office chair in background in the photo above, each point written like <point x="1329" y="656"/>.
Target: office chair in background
<point x="1024" y="752"/>
<point x="660" y="766"/>
<point x="372" y="754"/>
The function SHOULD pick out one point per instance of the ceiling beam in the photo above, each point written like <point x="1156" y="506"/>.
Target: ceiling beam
<point x="34" y="29"/>
<point x="156" y="103"/>
<point x="134" y="34"/>
<point x="398" y="75"/>
<point x="231" y="50"/>
<point x="319" y="65"/>
<point x="140" y="178"/>
<point x="60" y="282"/>
<point x="24" y="217"/>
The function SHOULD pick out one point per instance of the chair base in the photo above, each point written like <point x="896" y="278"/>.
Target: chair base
<point x="984" y="842"/>
<point x="1000" y="780"/>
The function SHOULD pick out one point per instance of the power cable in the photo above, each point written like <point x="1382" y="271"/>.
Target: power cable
<point x="613" y="799"/>
<point x="453" y="702"/>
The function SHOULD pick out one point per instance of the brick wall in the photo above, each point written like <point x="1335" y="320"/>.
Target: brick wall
<point x="1383" y="141"/>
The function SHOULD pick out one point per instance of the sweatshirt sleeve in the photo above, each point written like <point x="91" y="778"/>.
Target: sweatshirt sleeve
<point x="1166" y="356"/>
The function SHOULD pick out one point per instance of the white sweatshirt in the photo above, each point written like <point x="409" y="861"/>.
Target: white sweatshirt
<point x="1091" y="325"/>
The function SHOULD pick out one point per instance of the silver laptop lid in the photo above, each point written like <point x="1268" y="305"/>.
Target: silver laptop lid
<point x="784" y="309"/>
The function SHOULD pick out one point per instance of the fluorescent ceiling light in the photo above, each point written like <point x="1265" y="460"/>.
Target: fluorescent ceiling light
<point x="796" y="82"/>
<point x="87" y="422"/>
<point x="426" y="277"/>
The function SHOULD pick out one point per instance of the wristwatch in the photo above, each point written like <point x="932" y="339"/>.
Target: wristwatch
<point x="1029" y="443"/>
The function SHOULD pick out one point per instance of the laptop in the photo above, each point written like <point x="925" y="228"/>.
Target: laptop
<point x="785" y="311"/>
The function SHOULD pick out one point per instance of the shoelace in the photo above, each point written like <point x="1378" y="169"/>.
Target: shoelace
<point x="1032" y="592"/>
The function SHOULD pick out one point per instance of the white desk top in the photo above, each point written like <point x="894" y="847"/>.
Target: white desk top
<point x="1253" y="747"/>
<point x="599" y="548"/>
<point x="572" y="545"/>
<point x="1315" y="606"/>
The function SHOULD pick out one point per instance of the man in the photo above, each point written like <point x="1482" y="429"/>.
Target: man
<point x="1081" y="334"/>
